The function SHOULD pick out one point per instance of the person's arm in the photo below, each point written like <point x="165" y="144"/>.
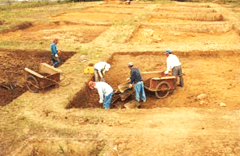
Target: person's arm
<point x="106" y="68"/>
<point x="100" y="74"/>
<point x="132" y="78"/>
<point x="100" y="92"/>
<point x="104" y="71"/>
<point x="168" y="66"/>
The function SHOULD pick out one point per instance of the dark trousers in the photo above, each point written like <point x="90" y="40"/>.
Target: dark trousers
<point x="177" y="71"/>
<point x="55" y="60"/>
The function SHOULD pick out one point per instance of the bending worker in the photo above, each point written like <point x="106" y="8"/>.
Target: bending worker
<point x="174" y="64"/>
<point x="55" y="53"/>
<point x="136" y="78"/>
<point x="105" y="92"/>
<point x="99" y="70"/>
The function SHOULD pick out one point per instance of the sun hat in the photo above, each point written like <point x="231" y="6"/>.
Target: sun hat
<point x="91" y="84"/>
<point x="130" y="64"/>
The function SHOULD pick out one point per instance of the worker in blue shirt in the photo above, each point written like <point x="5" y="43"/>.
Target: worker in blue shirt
<point x="136" y="78"/>
<point x="55" y="53"/>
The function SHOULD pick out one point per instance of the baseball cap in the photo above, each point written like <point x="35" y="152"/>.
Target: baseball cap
<point x="168" y="51"/>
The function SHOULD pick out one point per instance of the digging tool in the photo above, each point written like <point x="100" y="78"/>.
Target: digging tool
<point x="123" y="87"/>
<point x="132" y="105"/>
<point x="123" y="92"/>
<point x="126" y="94"/>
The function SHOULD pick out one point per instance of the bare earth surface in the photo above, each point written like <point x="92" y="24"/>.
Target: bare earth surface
<point x="69" y="121"/>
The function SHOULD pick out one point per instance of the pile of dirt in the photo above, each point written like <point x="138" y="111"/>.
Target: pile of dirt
<point x="85" y="98"/>
<point x="6" y="95"/>
<point x="12" y="65"/>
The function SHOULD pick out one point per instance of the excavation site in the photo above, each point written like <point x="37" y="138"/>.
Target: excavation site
<point x="210" y="73"/>
<point x="53" y="112"/>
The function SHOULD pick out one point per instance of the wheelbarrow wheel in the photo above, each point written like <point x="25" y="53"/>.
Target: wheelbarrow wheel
<point x="32" y="84"/>
<point x="163" y="90"/>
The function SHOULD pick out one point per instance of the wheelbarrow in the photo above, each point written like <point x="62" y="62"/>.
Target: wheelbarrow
<point x="160" y="83"/>
<point x="46" y="76"/>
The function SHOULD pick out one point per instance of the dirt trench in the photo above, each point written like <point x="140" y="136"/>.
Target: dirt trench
<point x="213" y="73"/>
<point x="12" y="64"/>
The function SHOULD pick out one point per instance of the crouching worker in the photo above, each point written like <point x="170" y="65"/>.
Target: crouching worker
<point x="136" y="78"/>
<point x="99" y="71"/>
<point x="105" y="92"/>
<point x="55" y="53"/>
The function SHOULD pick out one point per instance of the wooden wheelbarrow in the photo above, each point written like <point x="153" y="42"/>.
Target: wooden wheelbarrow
<point x="46" y="76"/>
<point x="160" y="83"/>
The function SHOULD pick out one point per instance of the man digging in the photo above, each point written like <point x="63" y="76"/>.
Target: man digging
<point x="105" y="92"/>
<point x="99" y="71"/>
<point x="136" y="78"/>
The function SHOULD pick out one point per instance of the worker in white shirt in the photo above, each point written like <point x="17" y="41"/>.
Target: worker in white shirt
<point x="174" y="64"/>
<point x="99" y="71"/>
<point x="105" y="92"/>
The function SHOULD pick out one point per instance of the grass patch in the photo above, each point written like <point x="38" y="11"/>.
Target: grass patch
<point x="27" y="5"/>
<point x="21" y="26"/>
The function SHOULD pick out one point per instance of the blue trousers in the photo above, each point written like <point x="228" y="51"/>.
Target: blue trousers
<point x="177" y="71"/>
<point x="139" y="92"/>
<point x="107" y="101"/>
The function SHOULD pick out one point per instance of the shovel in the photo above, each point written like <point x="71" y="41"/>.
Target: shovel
<point x="123" y="87"/>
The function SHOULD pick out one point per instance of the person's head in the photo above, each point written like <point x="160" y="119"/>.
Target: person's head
<point x="130" y="65"/>
<point x="91" y="84"/>
<point x="55" y="41"/>
<point x="107" y="67"/>
<point x="90" y="64"/>
<point x="168" y="52"/>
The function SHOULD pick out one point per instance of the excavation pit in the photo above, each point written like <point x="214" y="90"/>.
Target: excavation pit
<point x="69" y="32"/>
<point x="184" y="18"/>
<point x="215" y="74"/>
<point x="12" y="65"/>
<point x="116" y="9"/>
<point x="194" y="34"/>
<point x="89" y="17"/>
<point x="185" y="10"/>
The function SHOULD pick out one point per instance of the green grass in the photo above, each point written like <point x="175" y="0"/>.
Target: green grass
<point x="27" y="5"/>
